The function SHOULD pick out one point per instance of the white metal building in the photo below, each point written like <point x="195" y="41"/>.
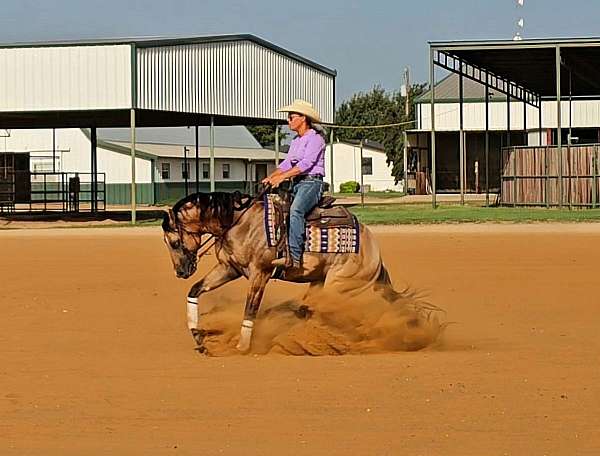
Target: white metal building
<point x="132" y="82"/>
<point x="577" y="114"/>
<point x="163" y="157"/>
<point x="580" y="120"/>
<point x="348" y="166"/>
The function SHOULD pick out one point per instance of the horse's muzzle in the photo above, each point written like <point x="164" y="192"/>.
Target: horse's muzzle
<point x="185" y="271"/>
<point x="185" y="274"/>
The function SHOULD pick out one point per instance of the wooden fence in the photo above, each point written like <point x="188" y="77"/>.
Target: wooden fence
<point x="538" y="176"/>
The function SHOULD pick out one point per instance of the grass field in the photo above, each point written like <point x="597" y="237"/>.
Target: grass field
<point x="394" y="214"/>
<point x="384" y="195"/>
<point x="371" y="214"/>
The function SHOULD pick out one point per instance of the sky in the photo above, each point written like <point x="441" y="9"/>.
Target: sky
<point x="368" y="42"/>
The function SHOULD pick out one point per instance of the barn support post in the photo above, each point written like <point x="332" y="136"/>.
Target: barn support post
<point x="94" y="170"/>
<point x="461" y="139"/>
<point x="433" y="151"/>
<point x="487" y="138"/>
<point x="569" y="151"/>
<point x="54" y="150"/>
<point x="511" y="152"/>
<point x="133" y="186"/>
<point x="525" y="131"/>
<point x="197" y="140"/>
<point x="595" y="177"/>
<point x="559" y="129"/>
<point x="546" y="177"/>
<point x="276" y="144"/>
<point x="212" y="154"/>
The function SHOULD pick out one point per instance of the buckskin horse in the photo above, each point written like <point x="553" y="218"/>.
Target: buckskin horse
<point x="236" y="223"/>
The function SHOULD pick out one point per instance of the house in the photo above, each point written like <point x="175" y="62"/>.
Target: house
<point x="369" y="168"/>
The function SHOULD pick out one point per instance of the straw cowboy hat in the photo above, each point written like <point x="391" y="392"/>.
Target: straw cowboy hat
<point x="303" y="107"/>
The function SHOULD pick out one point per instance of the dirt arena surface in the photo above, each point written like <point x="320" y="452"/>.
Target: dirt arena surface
<point x="97" y="359"/>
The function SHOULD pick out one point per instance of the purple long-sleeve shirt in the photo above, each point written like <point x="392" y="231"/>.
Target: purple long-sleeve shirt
<point x="307" y="152"/>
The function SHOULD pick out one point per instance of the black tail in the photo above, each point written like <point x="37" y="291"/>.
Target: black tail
<point x="384" y="285"/>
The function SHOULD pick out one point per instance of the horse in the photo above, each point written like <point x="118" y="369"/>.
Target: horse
<point x="235" y="222"/>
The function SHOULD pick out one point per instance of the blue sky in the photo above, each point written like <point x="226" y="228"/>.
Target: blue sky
<point x="367" y="42"/>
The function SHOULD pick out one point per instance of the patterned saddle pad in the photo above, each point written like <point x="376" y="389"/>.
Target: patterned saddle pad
<point x="336" y="233"/>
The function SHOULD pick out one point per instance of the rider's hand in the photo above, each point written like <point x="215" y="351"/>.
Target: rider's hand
<point x="276" y="180"/>
<point x="266" y="181"/>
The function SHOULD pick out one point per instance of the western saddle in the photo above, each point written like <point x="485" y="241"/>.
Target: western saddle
<point x="323" y="215"/>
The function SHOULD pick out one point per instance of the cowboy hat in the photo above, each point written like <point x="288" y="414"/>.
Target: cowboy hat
<point x="302" y="107"/>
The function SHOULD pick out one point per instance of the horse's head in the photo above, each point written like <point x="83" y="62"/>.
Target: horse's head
<point x="183" y="238"/>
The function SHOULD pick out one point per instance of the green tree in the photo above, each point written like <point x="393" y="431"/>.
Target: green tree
<point x="379" y="107"/>
<point x="265" y="134"/>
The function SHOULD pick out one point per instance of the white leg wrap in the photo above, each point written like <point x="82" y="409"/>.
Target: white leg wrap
<point x="192" y="313"/>
<point x="245" y="335"/>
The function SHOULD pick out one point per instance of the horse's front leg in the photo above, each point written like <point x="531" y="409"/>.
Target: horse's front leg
<point x="217" y="276"/>
<point x="258" y="282"/>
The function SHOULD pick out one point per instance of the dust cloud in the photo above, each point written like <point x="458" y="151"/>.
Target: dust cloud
<point x="327" y="323"/>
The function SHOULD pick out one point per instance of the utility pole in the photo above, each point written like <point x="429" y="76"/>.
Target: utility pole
<point x="406" y="93"/>
<point x="185" y="170"/>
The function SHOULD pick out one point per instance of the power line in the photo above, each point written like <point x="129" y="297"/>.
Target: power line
<point x="362" y="127"/>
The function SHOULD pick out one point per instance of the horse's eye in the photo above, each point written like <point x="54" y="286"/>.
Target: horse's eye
<point x="176" y="245"/>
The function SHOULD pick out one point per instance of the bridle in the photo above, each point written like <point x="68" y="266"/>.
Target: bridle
<point x="213" y="237"/>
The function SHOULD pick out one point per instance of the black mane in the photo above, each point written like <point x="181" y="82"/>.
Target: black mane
<point x="219" y="205"/>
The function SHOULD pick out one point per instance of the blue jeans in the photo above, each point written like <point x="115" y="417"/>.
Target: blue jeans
<point x="307" y="194"/>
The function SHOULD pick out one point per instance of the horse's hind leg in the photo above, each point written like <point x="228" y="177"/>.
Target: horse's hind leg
<point x="219" y="275"/>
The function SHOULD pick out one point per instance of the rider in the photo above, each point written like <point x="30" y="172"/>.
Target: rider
<point x="305" y="165"/>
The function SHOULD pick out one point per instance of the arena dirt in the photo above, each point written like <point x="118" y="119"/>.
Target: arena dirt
<point x="96" y="357"/>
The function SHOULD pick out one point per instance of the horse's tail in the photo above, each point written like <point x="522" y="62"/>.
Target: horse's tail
<point x="384" y="285"/>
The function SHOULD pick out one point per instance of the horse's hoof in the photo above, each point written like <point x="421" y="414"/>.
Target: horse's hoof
<point x="303" y="312"/>
<point x="243" y="348"/>
<point x="198" y="335"/>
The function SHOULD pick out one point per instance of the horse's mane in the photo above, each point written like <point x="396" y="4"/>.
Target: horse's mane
<point x="219" y="205"/>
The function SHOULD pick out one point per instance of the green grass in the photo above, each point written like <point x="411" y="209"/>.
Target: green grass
<point x="419" y="213"/>
<point x="397" y="214"/>
<point x="371" y="195"/>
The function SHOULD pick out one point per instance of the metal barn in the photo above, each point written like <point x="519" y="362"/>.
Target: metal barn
<point x="537" y="120"/>
<point x="132" y="82"/>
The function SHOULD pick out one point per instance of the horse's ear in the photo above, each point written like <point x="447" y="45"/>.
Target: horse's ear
<point x="168" y="223"/>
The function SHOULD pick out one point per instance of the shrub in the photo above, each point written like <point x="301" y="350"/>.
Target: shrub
<point x="349" y="187"/>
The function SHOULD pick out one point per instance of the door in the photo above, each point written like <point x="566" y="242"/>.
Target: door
<point x="7" y="178"/>
<point x="260" y="171"/>
<point x="22" y="179"/>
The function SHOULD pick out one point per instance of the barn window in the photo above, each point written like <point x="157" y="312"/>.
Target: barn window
<point x="205" y="171"/>
<point x="367" y="166"/>
<point x="226" y="170"/>
<point x="165" y="171"/>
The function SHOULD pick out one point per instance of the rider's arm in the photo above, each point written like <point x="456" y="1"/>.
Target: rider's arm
<point x="292" y="172"/>
<point x="315" y="148"/>
<point x="284" y="166"/>
<point x="276" y="179"/>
